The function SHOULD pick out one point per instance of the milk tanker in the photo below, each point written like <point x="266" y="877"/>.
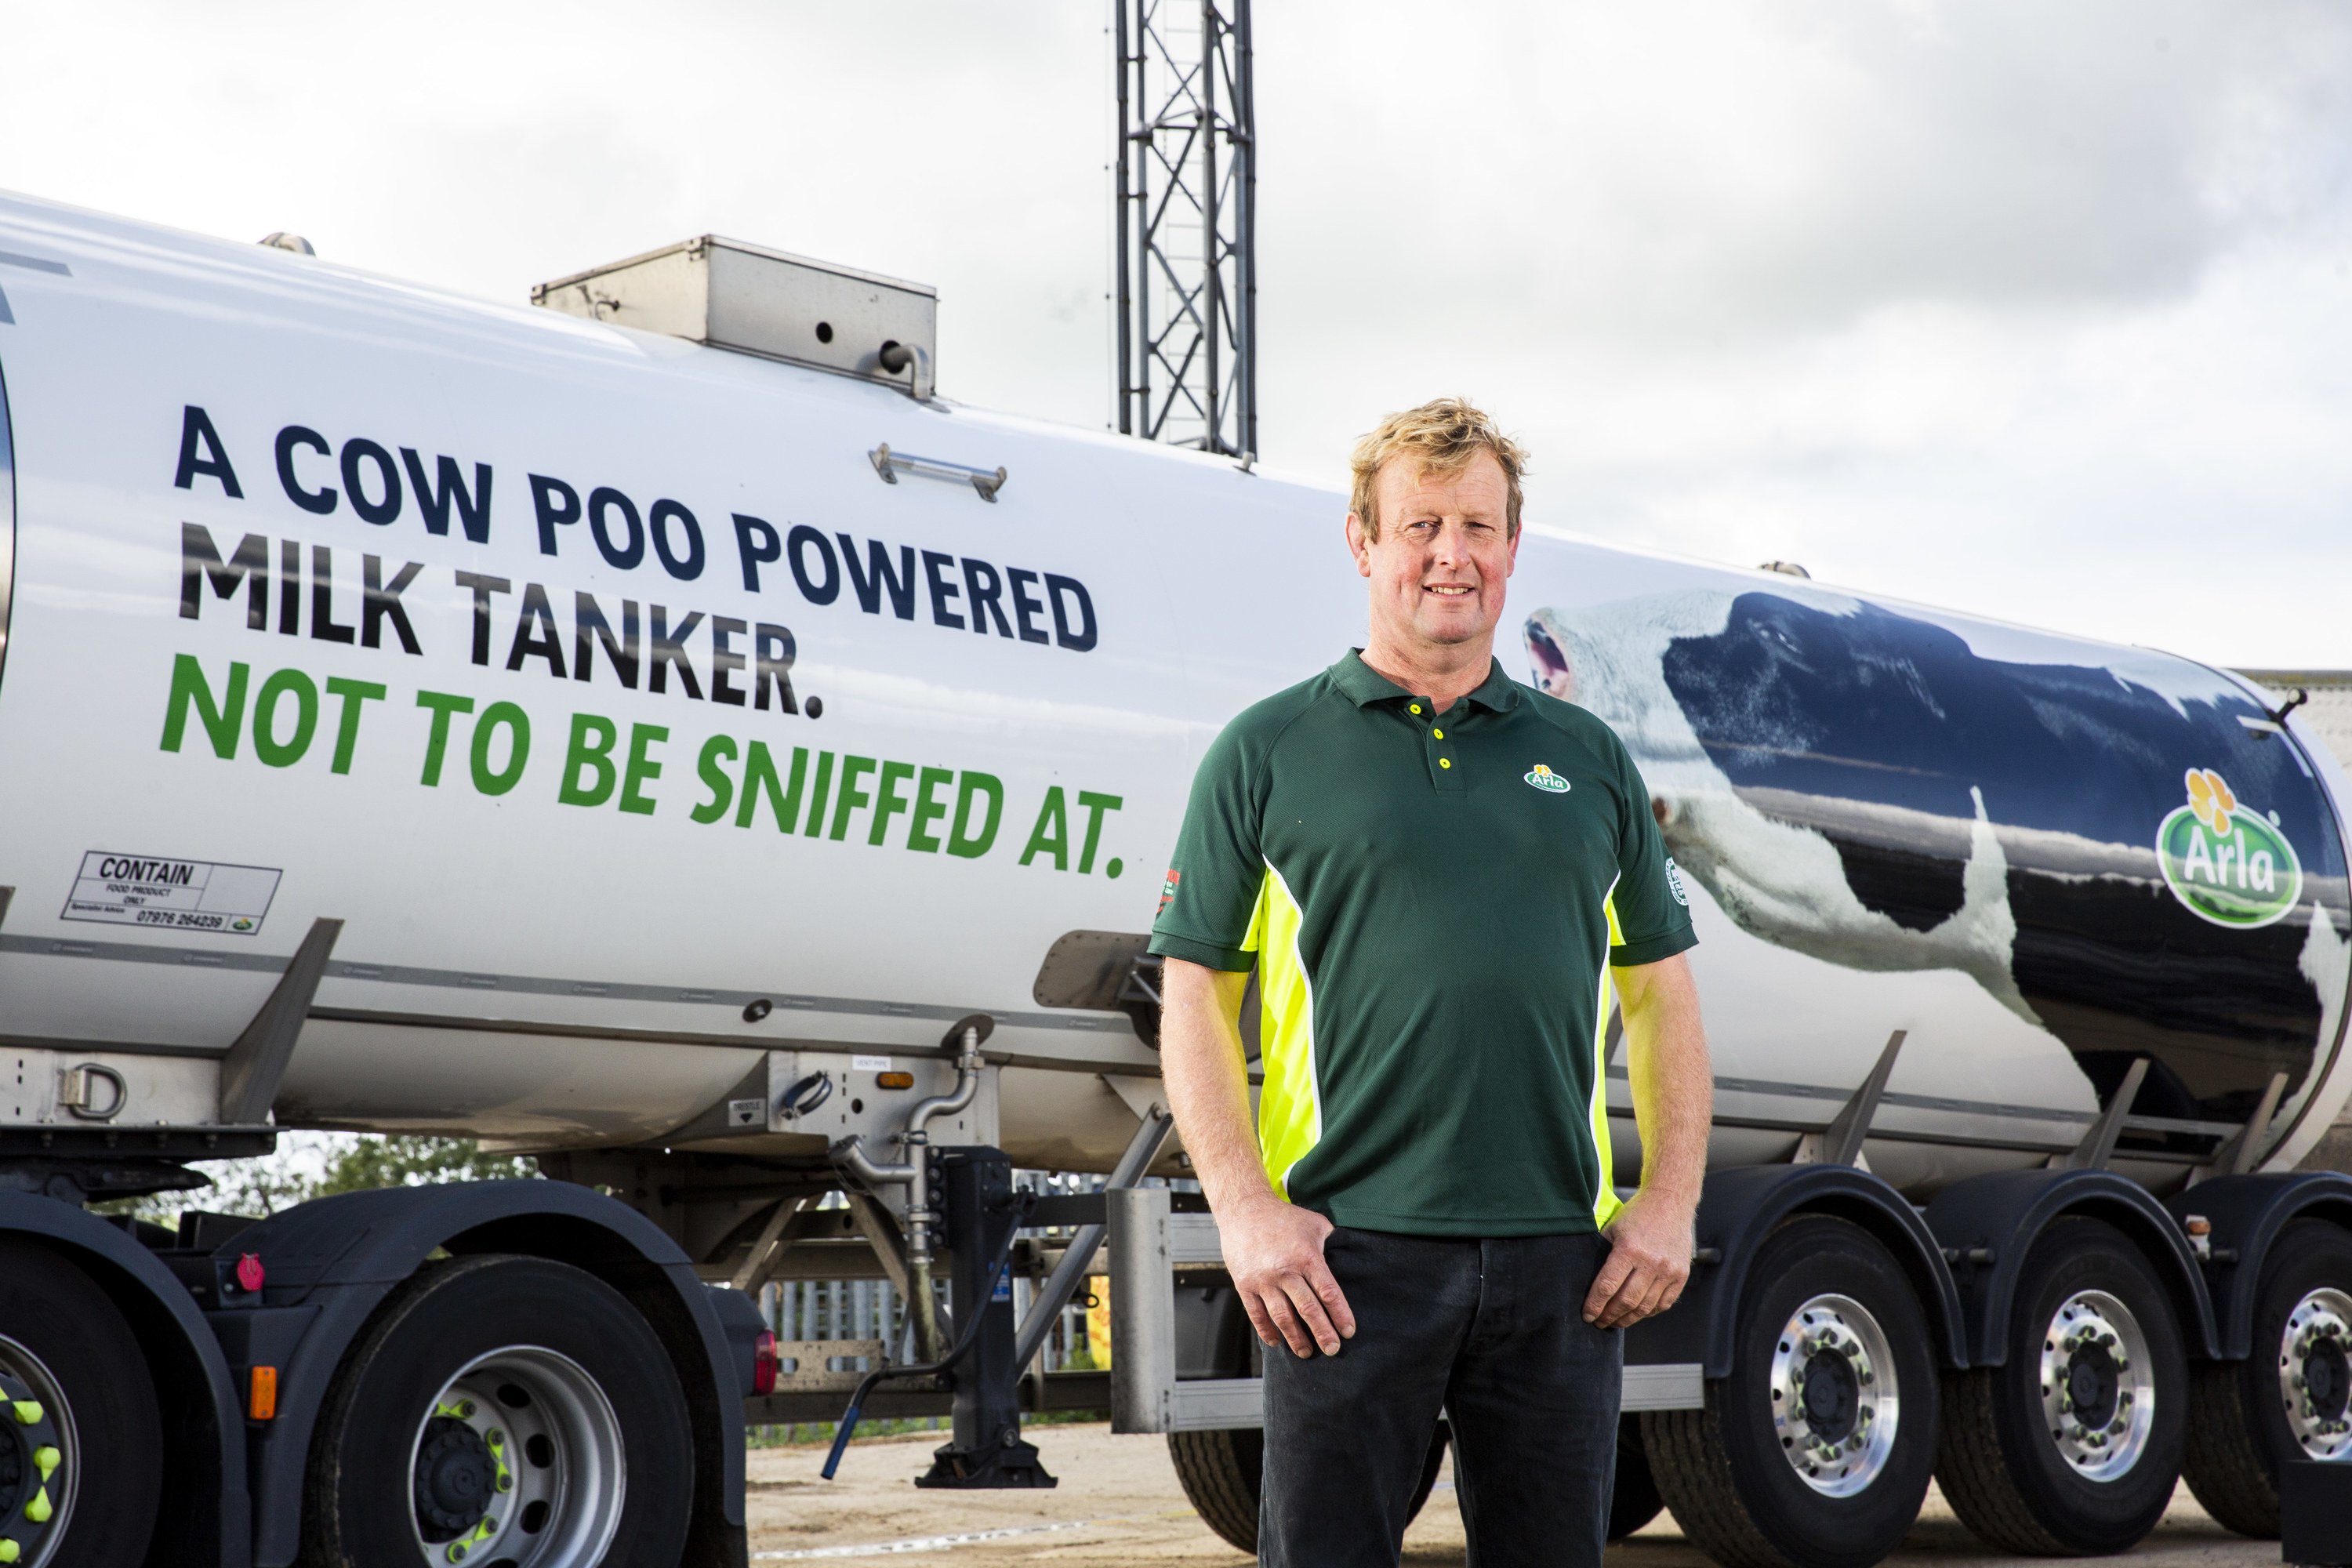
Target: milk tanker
<point x="657" y="733"/>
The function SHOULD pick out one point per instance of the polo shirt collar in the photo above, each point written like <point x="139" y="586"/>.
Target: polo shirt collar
<point x="1362" y="684"/>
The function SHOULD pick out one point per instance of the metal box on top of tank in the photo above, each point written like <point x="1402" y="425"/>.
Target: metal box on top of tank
<point x="760" y="302"/>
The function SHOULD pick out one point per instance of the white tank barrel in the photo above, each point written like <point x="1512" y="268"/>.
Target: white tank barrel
<point x="677" y="728"/>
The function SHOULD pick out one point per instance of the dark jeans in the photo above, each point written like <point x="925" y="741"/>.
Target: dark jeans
<point x="1492" y="1334"/>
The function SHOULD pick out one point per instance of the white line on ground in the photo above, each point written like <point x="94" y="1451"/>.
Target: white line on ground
<point x="943" y="1542"/>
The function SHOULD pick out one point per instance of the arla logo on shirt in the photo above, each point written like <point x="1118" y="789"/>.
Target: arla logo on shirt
<point x="1543" y="778"/>
<point x="1674" y="882"/>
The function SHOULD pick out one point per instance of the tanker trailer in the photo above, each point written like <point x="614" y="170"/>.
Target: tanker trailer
<point x="430" y="716"/>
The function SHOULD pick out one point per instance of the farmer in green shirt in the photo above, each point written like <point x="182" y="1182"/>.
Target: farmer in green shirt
<point x="1442" y="877"/>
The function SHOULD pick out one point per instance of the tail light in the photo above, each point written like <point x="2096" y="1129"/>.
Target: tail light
<point x="763" y="1363"/>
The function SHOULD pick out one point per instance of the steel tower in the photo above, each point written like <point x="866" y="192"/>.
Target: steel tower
<point x="1187" y="206"/>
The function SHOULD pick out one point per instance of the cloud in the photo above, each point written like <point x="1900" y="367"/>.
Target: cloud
<point x="2035" y="310"/>
<point x="1679" y="170"/>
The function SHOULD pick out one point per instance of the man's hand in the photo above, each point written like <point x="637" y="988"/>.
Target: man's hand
<point x="1274" y="1250"/>
<point x="1649" y="1262"/>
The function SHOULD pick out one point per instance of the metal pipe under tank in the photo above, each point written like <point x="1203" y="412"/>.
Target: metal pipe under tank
<point x="850" y="1156"/>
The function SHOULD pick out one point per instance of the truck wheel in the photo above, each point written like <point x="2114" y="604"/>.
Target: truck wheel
<point x="1817" y="1449"/>
<point x="2072" y="1448"/>
<point x="78" y="1404"/>
<point x="1221" y="1471"/>
<point x="2287" y="1401"/>
<point x="1633" y="1501"/>
<point x="503" y="1413"/>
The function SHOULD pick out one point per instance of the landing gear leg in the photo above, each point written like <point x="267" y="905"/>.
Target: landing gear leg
<point x="988" y="1450"/>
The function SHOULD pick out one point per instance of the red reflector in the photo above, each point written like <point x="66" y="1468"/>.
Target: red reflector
<point x="763" y="1364"/>
<point x="249" y="1276"/>
<point x="261" y="1394"/>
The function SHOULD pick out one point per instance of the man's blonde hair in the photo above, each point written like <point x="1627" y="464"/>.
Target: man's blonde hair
<point x="1444" y="436"/>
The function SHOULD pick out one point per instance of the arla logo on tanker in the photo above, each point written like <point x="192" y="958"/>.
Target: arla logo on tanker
<point x="2226" y="862"/>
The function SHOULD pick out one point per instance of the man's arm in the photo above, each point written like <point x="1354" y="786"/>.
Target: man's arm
<point x="1673" y="1103"/>
<point x="1274" y="1250"/>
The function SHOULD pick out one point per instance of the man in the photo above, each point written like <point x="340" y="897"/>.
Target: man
<point x="1440" y="876"/>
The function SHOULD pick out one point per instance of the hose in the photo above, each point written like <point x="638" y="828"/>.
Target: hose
<point x="1022" y="1204"/>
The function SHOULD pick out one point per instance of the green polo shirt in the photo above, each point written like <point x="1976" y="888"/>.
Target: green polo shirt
<point x="1433" y="903"/>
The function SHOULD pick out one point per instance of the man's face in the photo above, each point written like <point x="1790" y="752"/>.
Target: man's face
<point x="1438" y="568"/>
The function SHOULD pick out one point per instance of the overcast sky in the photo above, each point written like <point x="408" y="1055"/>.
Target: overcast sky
<point x="2041" y="310"/>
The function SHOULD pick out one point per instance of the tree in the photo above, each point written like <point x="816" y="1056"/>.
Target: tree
<point x="316" y="1165"/>
<point x="403" y="1159"/>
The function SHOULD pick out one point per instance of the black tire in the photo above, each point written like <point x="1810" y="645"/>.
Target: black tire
<point x="1727" y="1470"/>
<point x="1220" y="1472"/>
<point x="361" y="1504"/>
<point x="2001" y="1468"/>
<point x="1633" y="1500"/>
<point x="64" y="1341"/>
<point x="2239" y="1435"/>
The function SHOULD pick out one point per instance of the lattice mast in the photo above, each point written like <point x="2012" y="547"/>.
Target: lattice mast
<point x="1187" y="210"/>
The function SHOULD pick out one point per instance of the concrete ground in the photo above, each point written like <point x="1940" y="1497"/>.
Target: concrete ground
<point x="1119" y="1504"/>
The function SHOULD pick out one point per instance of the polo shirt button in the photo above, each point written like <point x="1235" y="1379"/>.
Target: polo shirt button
<point x="1445" y="762"/>
<point x="1439" y="733"/>
<point x="1416" y="707"/>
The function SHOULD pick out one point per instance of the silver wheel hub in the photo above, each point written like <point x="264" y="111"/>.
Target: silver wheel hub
<point x="1835" y="1395"/>
<point x="2098" y="1385"/>
<point x="519" y="1461"/>
<point x="40" y="1457"/>
<point x="2316" y="1373"/>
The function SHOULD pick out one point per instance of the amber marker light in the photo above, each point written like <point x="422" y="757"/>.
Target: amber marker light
<point x="261" y="1394"/>
<point x="895" y="1079"/>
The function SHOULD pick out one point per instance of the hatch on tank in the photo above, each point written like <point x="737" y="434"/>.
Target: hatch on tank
<point x="755" y="300"/>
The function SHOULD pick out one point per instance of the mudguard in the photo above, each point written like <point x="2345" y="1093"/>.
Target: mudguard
<point x="343" y="1255"/>
<point x="1737" y="1208"/>
<point x="1986" y="1225"/>
<point x="2248" y="1213"/>
<point x="205" y="1498"/>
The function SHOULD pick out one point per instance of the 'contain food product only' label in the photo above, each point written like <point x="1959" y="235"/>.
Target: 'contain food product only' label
<point x="182" y="895"/>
